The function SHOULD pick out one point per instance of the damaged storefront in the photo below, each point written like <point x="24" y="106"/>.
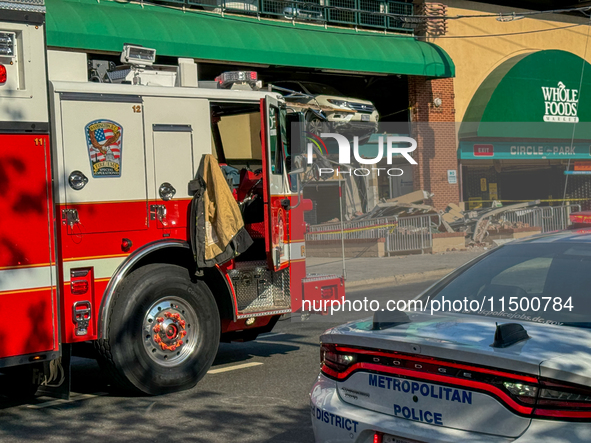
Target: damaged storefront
<point x="368" y="73"/>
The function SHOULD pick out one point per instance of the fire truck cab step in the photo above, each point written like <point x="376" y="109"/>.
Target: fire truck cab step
<point x="56" y="378"/>
<point x="258" y="288"/>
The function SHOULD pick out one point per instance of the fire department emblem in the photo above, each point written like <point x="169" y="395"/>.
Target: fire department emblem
<point x="104" y="141"/>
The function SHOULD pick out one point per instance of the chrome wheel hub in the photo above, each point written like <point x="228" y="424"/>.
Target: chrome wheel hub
<point x="315" y="127"/>
<point x="170" y="331"/>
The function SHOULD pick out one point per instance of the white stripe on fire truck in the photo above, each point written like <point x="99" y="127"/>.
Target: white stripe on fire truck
<point x="102" y="267"/>
<point x="25" y="278"/>
<point x="106" y="267"/>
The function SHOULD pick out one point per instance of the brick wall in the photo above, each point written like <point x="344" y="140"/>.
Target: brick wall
<point x="435" y="131"/>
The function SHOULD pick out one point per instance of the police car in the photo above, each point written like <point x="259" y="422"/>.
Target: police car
<point x="511" y="364"/>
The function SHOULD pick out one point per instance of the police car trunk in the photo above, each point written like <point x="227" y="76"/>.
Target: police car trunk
<point x="442" y="371"/>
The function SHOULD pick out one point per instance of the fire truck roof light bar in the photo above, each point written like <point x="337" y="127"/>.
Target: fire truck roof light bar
<point x="227" y="79"/>
<point x="138" y="55"/>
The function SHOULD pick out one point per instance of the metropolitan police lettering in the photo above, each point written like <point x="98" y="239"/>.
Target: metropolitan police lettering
<point x="560" y="104"/>
<point x="414" y="388"/>
<point x="105" y="148"/>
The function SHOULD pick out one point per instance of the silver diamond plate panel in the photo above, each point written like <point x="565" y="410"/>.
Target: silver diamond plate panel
<point x="258" y="289"/>
<point x="249" y="265"/>
<point x="27" y="6"/>
<point x="319" y="277"/>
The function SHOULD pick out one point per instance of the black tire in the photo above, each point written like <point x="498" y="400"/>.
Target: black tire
<point x="316" y="125"/>
<point x="130" y="333"/>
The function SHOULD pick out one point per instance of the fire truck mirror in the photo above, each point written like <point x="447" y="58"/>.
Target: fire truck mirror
<point x="295" y="133"/>
<point x="296" y="165"/>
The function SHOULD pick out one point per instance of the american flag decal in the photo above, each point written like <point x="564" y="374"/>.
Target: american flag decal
<point x="104" y="140"/>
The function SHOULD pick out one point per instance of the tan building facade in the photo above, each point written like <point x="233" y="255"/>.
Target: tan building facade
<point x="481" y="49"/>
<point x="479" y="45"/>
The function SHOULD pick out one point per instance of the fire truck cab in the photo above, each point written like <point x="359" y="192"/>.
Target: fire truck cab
<point x="96" y="225"/>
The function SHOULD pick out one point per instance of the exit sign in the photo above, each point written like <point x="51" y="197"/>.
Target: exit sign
<point x="484" y="150"/>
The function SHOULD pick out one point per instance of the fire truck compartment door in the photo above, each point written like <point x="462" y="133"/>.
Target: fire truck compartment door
<point x="276" y="188"/>
<point x="27" y="274"/>
<point x="103" y="138"/>
<point x="178" y="131"/>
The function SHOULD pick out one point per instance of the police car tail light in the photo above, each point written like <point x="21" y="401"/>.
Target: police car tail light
<point x="378" y="437"/>
<point x="581" y="218"/>
<point x="3" y="75"/>
<point x="524" y="394"/>
<point x="563" y="401"/>
<point x="334" y="362"/>
<point x="521" y="389"/>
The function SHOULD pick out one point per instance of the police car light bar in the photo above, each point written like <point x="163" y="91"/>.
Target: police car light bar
<point x="227" y="79"/>
<point x="581" y="218"/>
<point x="7" y="40"/>
<point x="138" y="55"/>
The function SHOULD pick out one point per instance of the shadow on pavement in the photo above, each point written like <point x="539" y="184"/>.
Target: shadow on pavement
<point x="197" y="415"/>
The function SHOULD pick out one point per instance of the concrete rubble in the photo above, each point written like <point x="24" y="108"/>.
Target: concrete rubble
<point x="479" y="225"/>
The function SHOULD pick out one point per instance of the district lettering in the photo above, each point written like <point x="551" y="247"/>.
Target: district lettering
<point x="336" y="420"/>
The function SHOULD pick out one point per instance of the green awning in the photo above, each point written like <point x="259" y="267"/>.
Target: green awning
<point x="538" y="95"/>
<point x="106" y="26"/>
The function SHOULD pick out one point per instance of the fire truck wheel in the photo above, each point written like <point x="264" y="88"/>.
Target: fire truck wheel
<point x="163" y="331"/>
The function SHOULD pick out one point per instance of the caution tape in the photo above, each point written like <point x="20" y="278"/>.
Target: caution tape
<point x="367" y="228"/>
<point x="525" y="201"/>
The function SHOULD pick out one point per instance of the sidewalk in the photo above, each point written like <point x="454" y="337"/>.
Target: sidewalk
<point x="392" y="270"/>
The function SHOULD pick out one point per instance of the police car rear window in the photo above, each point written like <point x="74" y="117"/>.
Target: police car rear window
<point x="543" y="283"/>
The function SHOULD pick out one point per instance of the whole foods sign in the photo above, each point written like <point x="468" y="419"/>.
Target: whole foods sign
<point x="560" y="104"/>
<point x="539" y="95"/>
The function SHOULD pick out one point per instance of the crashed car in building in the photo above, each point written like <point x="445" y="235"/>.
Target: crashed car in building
<point x="508" y="361"/>
<point x="327" y="110"/>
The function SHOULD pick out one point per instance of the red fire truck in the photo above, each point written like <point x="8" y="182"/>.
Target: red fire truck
<point x="95" y="221"/>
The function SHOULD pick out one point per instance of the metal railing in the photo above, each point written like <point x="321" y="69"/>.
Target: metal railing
<point x="414" y="233"/>
<point x="377" y="14"/>
<point x="364" y="229"/>
<point x="548" y="218"/>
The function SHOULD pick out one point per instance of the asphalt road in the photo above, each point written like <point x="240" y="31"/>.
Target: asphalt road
<point x="254" y="392"/>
